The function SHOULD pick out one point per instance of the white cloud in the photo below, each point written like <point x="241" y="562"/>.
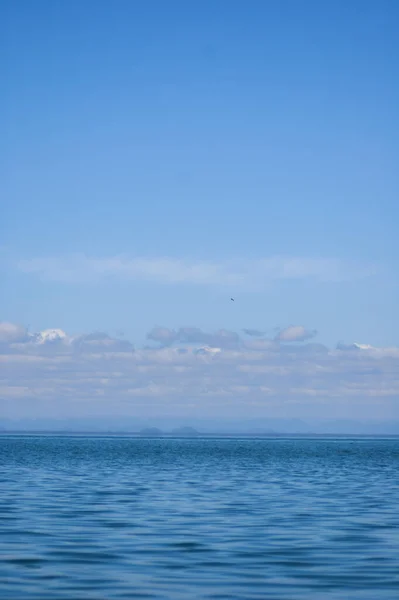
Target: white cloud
<point x="9" y="332"/>
<point x="96" y="374"/>
<point x="254" y="332"/>
<point x="167" y="270"/>
<point x="367" y="350"/>
<point x="295" y="333"/>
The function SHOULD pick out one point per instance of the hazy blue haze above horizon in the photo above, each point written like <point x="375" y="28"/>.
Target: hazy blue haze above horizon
<point x="159" y="158"/>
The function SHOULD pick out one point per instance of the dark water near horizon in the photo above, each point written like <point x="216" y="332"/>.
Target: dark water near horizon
<point x="118" y="517"/>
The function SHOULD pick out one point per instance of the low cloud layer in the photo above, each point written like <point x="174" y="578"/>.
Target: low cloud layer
<point x="167" y="270"/>
<point x="189" y="372"/>
<point x="192" y="335"/>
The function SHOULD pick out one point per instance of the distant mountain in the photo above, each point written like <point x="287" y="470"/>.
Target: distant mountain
<point x="185" y="431"/>
<point x="151" y="431"/>
<point x="260" y="426"/>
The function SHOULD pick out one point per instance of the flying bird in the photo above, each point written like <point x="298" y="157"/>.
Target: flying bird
<point x="232" y="299"/>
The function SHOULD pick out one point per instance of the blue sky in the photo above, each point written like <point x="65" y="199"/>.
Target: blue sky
<point x="159" y="158"/>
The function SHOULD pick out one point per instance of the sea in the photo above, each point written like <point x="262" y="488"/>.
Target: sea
<point x="122" y="517"/>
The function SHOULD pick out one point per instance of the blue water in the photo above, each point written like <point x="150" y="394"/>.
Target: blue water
<point x="105" y="517"/>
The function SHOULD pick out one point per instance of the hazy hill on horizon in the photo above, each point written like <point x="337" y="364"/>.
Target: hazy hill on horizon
<point x="201" y="426"/>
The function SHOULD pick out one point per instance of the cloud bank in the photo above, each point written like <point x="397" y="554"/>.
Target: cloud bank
<point x="192" y="373"/>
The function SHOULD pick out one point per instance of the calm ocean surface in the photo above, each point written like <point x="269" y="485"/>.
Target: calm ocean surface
<point x="119" y="517"/>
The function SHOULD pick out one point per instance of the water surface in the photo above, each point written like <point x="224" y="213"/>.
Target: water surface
<point x="120" y="518"/>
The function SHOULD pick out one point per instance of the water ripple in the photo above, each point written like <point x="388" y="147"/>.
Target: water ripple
<point x="123" y="518"/>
